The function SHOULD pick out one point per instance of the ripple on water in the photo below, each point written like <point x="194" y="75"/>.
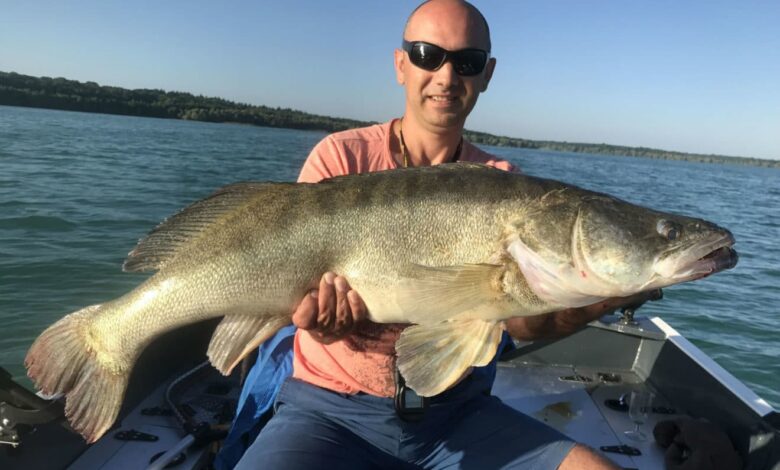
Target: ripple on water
<point x="37" y="222"/>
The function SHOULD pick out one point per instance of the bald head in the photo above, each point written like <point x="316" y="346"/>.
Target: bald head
<point x="458" y="16"/>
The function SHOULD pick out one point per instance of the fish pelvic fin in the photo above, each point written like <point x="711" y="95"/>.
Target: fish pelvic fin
<point x="61" y="362"/>
<point x="165" y="241"/>
<point x="238" y="335"/>
<point x="432" y="358"/>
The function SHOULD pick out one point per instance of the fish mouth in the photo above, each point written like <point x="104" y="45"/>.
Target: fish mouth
<point x="707" y="259"/>
<point x="721" y="259"/>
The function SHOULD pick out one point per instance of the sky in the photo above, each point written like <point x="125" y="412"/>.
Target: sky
<point x="694" y="76"/>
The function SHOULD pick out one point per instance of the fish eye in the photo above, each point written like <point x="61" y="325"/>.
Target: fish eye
<point x="669" y="230"/>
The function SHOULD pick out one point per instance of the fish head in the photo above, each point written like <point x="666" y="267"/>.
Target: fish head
<point x="623" y="248"/>
<point x="576" y="248"/>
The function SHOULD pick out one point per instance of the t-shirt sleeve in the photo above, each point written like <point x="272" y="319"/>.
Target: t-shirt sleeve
<point x="326" y="160"/>
<point x="472" y="153"/>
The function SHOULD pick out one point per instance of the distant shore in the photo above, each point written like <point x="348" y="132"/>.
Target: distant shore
<point x="60" y="93"/>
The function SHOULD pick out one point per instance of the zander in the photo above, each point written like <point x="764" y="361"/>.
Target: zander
<point x="453" y="249"/>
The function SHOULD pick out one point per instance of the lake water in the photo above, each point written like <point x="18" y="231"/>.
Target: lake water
<point x="78" y="190"/>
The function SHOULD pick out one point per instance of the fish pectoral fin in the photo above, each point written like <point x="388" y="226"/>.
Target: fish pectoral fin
<point x="434" y="294"/>
<point x="432" y="358"/>
<point x="238" y="335"/>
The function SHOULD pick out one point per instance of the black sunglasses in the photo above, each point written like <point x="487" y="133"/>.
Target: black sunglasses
<point x="427" y="56"/>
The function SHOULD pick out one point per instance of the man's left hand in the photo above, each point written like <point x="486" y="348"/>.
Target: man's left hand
<point x="566" y="322"/>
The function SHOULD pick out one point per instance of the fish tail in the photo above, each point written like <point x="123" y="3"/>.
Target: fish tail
<point x="61" y="361"/>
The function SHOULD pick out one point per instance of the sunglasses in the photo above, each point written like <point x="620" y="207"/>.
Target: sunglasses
<point x="430" y="57"/>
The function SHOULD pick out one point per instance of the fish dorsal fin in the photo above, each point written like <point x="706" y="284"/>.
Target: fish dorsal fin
<point x="433" y="294"/>
<point x="238" y="335"/>
<point x="164" y="241"/>
<point x="432" y="358"/>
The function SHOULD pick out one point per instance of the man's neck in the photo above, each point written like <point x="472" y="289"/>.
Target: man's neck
<point x="426" y="148"/>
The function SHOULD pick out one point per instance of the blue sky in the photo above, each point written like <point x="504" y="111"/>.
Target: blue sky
<point x="695" y="76"/>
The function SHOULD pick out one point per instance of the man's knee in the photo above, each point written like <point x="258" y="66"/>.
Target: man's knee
<point x="582" y="456"/>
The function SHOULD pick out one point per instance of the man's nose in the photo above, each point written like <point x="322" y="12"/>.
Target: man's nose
<point x="446" y="75"/>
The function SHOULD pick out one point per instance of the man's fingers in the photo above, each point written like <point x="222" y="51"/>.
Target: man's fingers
<point x="614" y="303"/>
<point x="305" y="315"/>
<point x="642" y="297"/>
<point x="327" y="303"/>
<point x="332" y="311"/>
<point x="343" y="321"/>
<point x="356" y="305"/>
<point x="648" y="296"/>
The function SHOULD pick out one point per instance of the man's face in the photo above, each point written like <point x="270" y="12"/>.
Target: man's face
<point x="441" y="100"/>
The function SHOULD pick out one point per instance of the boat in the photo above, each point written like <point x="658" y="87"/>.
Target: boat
<point x="177" y="407"/>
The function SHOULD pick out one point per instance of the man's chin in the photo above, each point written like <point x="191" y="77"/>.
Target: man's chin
<point x="446" y="120"/>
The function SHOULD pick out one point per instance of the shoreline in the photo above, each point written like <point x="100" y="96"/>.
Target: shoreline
<point x="71" y="95"/>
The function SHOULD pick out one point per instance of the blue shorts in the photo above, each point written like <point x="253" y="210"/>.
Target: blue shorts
<point x="464" y="427"/>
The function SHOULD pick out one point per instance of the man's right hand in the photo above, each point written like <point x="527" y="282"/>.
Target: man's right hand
<point x="330" y="312"/>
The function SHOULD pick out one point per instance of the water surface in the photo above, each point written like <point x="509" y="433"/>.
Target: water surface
<point x="78" y="190"/>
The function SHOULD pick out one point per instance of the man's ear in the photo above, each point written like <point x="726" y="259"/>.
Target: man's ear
<point x="399" y="59"/>
<point x="489" y="68"/>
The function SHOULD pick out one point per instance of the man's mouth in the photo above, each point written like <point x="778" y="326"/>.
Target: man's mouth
<point x="443" y="98"/>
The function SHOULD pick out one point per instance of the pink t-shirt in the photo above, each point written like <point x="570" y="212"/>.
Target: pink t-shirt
<point x="364" y="361"/>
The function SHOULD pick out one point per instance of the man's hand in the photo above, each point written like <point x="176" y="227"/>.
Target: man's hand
<point x="566" y="322"/>
<point x="330" y="312"/>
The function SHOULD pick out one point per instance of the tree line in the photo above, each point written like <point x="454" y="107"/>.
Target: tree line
<point x="60" y="93"/>
<point x="71" y="95"/>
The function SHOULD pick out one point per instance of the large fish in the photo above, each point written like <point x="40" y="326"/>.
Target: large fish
<point x="454" y="249"/>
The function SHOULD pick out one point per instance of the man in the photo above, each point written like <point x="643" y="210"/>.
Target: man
<point x="337" y="410"/>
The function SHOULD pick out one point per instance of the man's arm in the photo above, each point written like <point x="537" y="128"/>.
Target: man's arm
<point x="566" y="322"/>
